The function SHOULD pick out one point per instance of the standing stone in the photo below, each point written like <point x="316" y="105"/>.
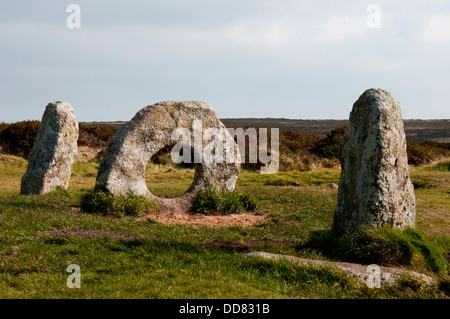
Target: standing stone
<point x="54" y="151"/>
<point x="122" y="168"/>
<point x="375" y="188"/>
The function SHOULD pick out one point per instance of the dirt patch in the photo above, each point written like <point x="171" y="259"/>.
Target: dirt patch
<point x="199" y="220"/>
<point x="238" y="245"/>
<point x="89" y="233"/>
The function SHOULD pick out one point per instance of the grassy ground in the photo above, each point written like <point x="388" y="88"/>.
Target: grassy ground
<point x="176" y="265"/>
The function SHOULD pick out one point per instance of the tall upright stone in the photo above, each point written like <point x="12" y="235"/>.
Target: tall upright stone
<point x="375" y="188"/>
<point x="54" y="151"/>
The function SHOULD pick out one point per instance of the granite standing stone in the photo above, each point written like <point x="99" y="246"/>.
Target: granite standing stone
<point x="375" y="188"/>
<point x="122" y="168"/>
<point x="54" y="151"/>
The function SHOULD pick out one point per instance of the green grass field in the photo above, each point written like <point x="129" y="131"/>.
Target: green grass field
<point x="170" y="261"/>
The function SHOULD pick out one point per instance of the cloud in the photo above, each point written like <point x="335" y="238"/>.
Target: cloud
<point x="438" y="29"/>
<point x="371" y="64"/>
<point x="274" y="34"/>
<point x="258" y="52"/>
<point x="340" y="28"/>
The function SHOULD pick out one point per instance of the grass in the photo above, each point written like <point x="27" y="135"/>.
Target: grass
<point x="432" y="205"/>
<point x="321" y="177"/>
<point x="443" y="166"/>
<point x="99" y="200"/>
<point x="212" y="200"/>
<point x="176" y="265"/>
<point x="314" y="282"/>
<point x="383" y="246"/>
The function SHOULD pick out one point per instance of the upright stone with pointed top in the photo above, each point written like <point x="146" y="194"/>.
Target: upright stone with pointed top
<point x="55" y="149"/>
<point x="375" y="188"/>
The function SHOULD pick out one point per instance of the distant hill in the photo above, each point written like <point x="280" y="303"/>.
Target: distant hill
<point x="416" y="130"/>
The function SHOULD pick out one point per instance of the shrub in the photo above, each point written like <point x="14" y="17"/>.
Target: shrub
<point x="295" y="151"/>
<point x="383" y="246"/>
<point x="18" y="138"/>
<point x="427" y="152"/>
<point x="330" y="146"/>
<point x="164" y="157"/>
<point x="95" y="136"/>
<point x="212" y="200"/>
<point x="298" y="151"/>
<point x="3" y="126"/>
<point x="295" y="141"/>
<point x="99" y="200"/>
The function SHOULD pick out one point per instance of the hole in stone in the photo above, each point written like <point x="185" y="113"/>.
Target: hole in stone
<point x="165" y="178"/>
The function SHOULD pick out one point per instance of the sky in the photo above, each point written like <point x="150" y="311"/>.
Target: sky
<point x="246" y="58"/>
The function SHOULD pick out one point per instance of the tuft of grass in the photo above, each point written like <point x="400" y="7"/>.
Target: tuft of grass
<point x="421" y="184"/>
<point x="407" y="287"/>
<point x="212" y="200"/>
<point x="99" y="200"/>
<point x="427" y="152"/>
<point x="382" y="246"/>
<point x="440" y="167"/>
<point x="304" y="280"/>
<point x="292" y="273"/>
<point x="88" y="169"/>
<point x="280" y="182"/>
<point x="444" y="286"/>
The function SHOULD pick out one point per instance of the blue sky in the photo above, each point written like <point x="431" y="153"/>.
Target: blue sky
<point x="248" y="58"/>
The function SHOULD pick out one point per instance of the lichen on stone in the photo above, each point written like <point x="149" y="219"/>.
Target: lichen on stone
<point x="375" y="188"/>
<point x="54" y="151"/>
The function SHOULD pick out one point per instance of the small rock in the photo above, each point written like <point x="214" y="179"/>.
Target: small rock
<point x="333" y="185"/>
<point x="15" y="250"/>
<point x="75" y="209"/>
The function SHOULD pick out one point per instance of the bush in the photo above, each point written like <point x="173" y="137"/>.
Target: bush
<point x="427" y="152"/>
<point x="95" y="136"/>
<point x="212" y="200"/>
<point x="100" y="200"/>
<point x="295" y="151"/>
<point x="3" y="126"/>
<point x="298" y="151"/>
<point x="164" y="157"/>
<point x="295" y="141"/>
<point x="18" y="138"/>
<point x="330" y="146"/>
<point x="383" y="246"/>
